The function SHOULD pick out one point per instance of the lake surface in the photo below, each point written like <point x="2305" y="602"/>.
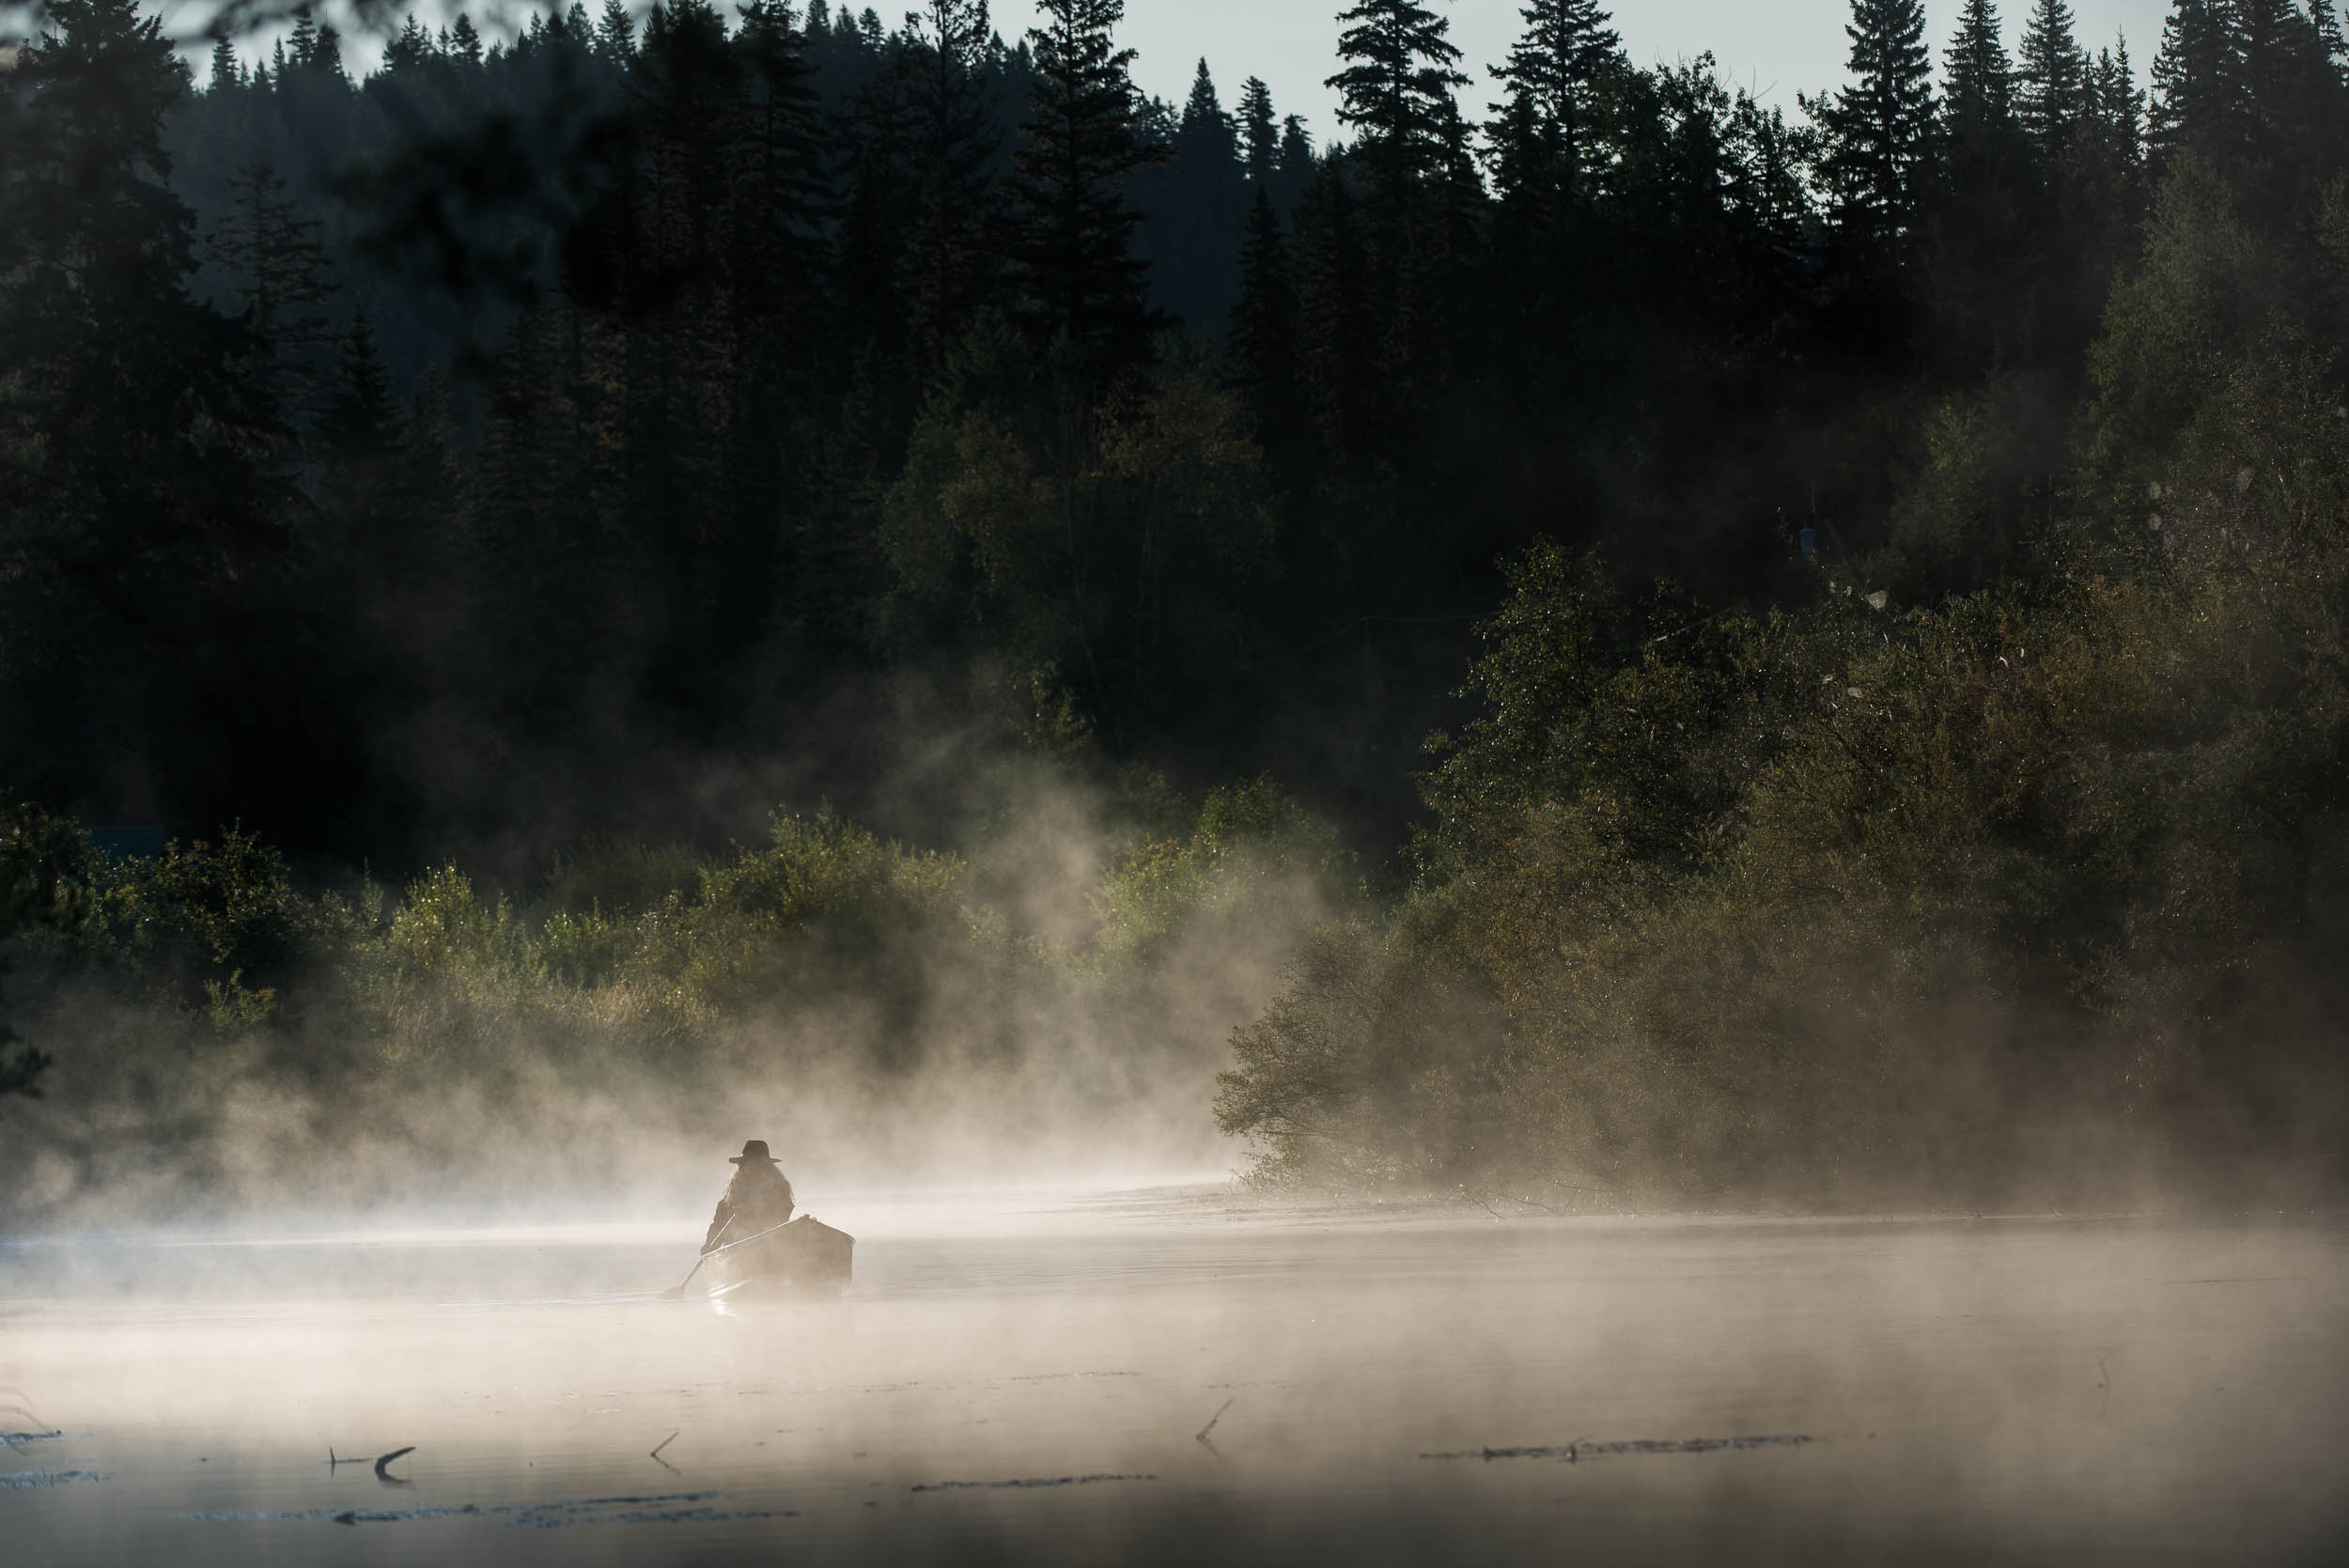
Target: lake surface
<point x="1188" y="1375"/>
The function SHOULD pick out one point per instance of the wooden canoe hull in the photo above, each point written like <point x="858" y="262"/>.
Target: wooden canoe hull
<point x="806" y="1257"/>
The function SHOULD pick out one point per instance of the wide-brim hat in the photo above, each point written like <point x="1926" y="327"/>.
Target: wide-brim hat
<point x="755" y="1149"/>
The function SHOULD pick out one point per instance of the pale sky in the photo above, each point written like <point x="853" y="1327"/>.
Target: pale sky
<point x="1787" y="45"/>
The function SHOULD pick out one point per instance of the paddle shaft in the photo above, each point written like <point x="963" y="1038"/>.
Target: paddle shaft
<point x="679" y="1289"/>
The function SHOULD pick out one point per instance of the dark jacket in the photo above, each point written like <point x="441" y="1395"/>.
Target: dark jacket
<point x="759" y="1197"/>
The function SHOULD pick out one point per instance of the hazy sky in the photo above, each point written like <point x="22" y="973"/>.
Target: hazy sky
<point x="1786" y="44"/>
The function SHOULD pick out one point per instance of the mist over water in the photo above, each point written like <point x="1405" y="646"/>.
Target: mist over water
<point x="1177" y="1374"/>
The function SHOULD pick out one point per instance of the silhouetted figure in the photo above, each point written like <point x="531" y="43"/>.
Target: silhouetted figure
<point x="759" y="1197"/>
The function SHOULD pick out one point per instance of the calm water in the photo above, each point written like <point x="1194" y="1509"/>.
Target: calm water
<point x="1025" y="1378"/>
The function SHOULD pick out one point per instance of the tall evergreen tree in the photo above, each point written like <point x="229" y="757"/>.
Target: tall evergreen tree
<point x="1879" y="129"/>
<point x="226" y="72"/>
<point x="2195" y="82"/>
<point x="2050" y="79"/>
<point x="1977" y="100"/>
<point x="141" y="506"/>
<point x="275" y="263"/>
<point x="1264" y="323"/>
<point x="1072" y="231"/>
<point x="1396" y="87"/>
<point x="1259" y="132"/>
<point x="615" y="34"/>
<point x="1549" y="130"/>
<point x="949" y="248"/>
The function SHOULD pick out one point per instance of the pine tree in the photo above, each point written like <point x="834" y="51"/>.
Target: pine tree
<point x="2195" y="82"/>
<point x="276" y="264"/>
<point x="2050" y="79"/>
<point x="140" y="497"/>
<point x="464" y="44"/>
<point x="949" y="267"/>
<point x="1977" y="104"/>
<point x="326" y="54"/>
<point x="302" y="45"/>
<point x="1878" y="129"/>
<point x="1264" y="323"/>
<point x="226" y="72"/>
<point x="408" y="49"/>
<point x="615" y="34"/>
<point x="1396" y="88"/>
<point x="1547" y="132"/>
<point x="1259" y="134"/>
<point x="1298" y="163"/>
<point x="1072" y="232"/>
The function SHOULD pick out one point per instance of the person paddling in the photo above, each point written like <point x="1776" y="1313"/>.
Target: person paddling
<point x="758" y="1199"/>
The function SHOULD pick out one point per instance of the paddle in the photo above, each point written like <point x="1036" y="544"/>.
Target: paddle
<point x="679" y="1289"/>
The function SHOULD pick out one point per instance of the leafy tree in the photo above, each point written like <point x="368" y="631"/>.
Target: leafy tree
<point x="44" y="886"/>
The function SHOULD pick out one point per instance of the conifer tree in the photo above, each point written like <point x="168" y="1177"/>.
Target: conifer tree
<point x="1401" y="68"/>
<point x="1879" y="128"/>
<point x="276" y="266"/>
<point x="464" y="44"/>
<point x="2195" y="81"/>
<point x="2050" y="79"/>
<point x="139" y="495"/>
<point x="226" y="72"/>
<point x="326" y="54"/>
<point x="408" y="49"/>
<point x="1547" y="132"/>
<point x="302" y="45"/>
<point x="1297" y="163"/>
<point x="949" y="265"/>
<point x="615" y="34"/>
<point x="1072" y="231"/>
<point x="1977" y="102"/>
<point x="1264" y="322"/>
<point x="1259" y="133"/>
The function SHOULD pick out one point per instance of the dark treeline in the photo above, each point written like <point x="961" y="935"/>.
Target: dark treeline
<point x="491" y="450"/>
<point x="619" y="389"/>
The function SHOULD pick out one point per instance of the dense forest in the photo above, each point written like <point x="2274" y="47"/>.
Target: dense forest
<point x="1732" y="657"/>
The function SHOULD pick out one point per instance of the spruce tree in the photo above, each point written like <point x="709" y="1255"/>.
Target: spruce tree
<point x="950" y="272"/>
<point x="1072" y="231"/>
<point x="1878" y="129"/>
<point x="408" y="49"/>
<point x="226" y="72"/>
<point x="464" y="44"/>
<point x="615" y="34"/>
<point x="2051" y="80"/>
<point x="1977" y="102"/>
<point x="1264" y="323"/>
<point x="2195" y="82"/>
<point x="277" y="268"/>
<point x="1548" y="131"/>
<point x="1401" y="68"/>
<point x="1259" y="133"/>
<point x="140" y="494"/>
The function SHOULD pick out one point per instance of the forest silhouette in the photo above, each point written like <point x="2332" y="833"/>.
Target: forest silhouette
<point x="1735" y="657"/>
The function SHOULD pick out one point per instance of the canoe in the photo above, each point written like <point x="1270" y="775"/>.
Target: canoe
<point x="806" y="1257"/>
